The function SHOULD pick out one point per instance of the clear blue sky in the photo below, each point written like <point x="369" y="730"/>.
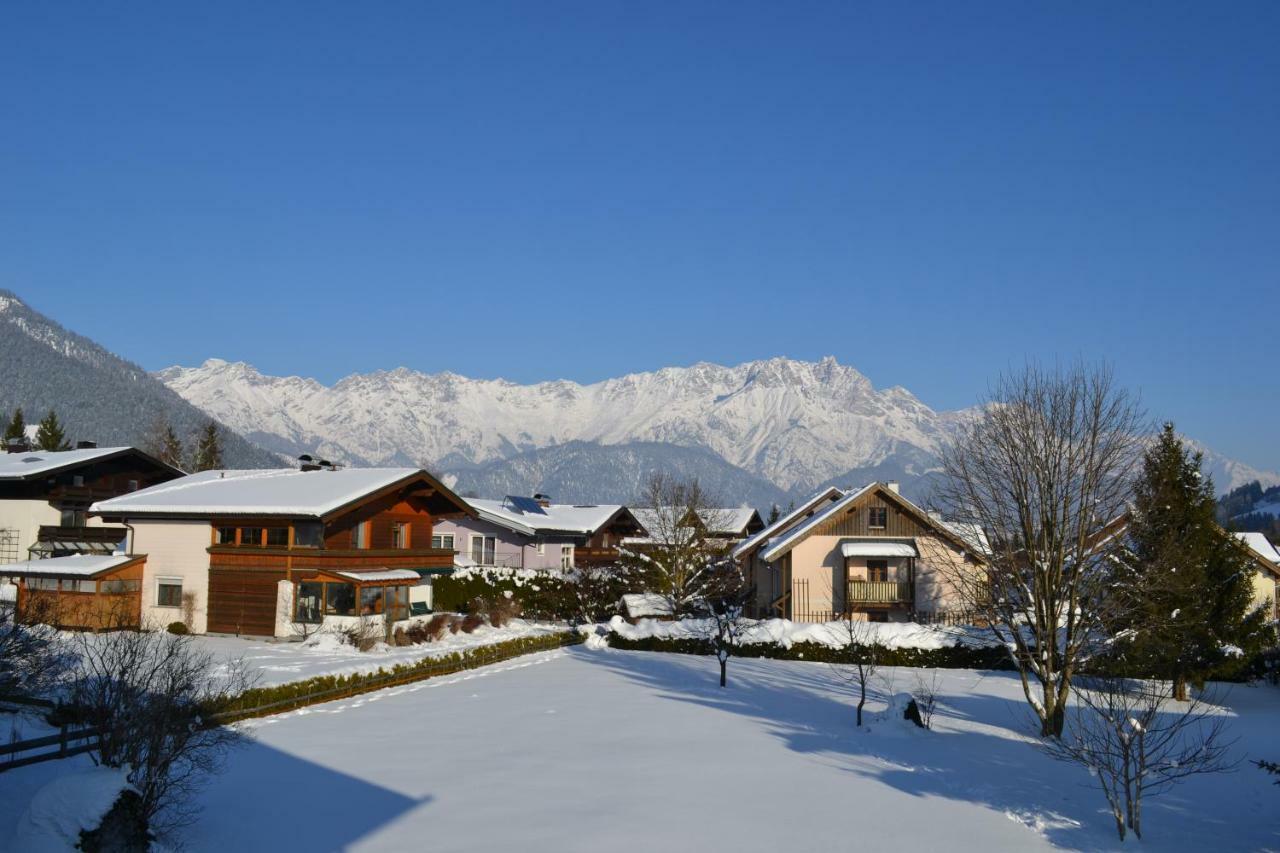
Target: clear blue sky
<point x="544" y="190"/>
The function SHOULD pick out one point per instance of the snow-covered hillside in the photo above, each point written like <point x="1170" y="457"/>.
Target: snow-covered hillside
<point x="792" y="425"/>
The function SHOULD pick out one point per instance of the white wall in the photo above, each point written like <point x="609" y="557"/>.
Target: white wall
<point x="174" y="549"/>
<point x="26" y="517"/>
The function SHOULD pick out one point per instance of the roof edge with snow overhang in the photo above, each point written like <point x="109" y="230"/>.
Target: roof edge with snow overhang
<point x="76" y="565"/>
<point x="782" y="523"/>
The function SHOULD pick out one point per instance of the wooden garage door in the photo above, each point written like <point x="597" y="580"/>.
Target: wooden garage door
<point x="243" y="602"/>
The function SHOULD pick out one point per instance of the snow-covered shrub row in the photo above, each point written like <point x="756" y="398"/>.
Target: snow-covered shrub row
<point x="897" y="643"/>
<point x="542" y="594"/>
<point x="281" y="697"/>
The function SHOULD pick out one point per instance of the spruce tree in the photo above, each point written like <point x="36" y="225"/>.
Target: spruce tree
<point x="208" y="452"/>
<point x="50" y="435"/>
<point x="17" y="427"/>
<point x="774" y="512"/>
<point x="1186" y="582"/>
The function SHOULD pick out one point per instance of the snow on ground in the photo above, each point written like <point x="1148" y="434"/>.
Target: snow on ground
<point x="590" y="750"/>
<point x="580" y="750"/>
<point x="785" y="633"/>
<point x="325" y="654"/>
<point x="66" y="806"/>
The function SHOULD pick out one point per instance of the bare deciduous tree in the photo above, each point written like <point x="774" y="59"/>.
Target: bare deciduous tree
<point x="925" y="694"/>
<point x="32" y="657"/>
<point x="727" y="616"/>
<point x="146" y="693"/>
<point x="1046" y="464"/>
<point x="681" y="560"/>
<point x="860" y="664"/>
<point x="1137" y="742"/>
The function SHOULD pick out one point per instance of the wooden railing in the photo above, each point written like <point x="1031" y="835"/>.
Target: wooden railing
<point x="880" y="592"/>
<point x="584" y="556"/>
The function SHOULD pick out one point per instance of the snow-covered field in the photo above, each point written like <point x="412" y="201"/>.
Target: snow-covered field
<point x="599" y="750"/>
<point x="324" y="654"/>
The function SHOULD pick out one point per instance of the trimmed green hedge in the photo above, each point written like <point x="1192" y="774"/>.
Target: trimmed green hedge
<point x="955" y="657"/>
<point x="546" y="597"/>
<point x="326" y="688"/>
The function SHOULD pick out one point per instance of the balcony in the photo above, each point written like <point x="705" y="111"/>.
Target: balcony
<point x="881" y="592"/>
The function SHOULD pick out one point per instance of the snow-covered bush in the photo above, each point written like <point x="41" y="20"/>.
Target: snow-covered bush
<point x="97" y="809"/>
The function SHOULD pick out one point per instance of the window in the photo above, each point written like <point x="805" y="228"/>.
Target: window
<point x="877" y="516"/>
<point x="877" y="570"/>
<point x="397" y="602"/>
<point x="250" y="535"/>
<point x="309" y="606"/>
<point x="542" y="548"/>
<point x="77" y="480"/>
<point x="79" y="586"/>
<point x="50" y="584"/>
<point x="442" y="540"/>
<point x="339" y="599"/>
<point x="370" y="600"/>
<point x="483" y="549"/>
<point x="169" y="592"/>
<point x="116" y="587"/>
<point x="278" y="537"/>
<point x="566" y="556"/>
<point x="877" y="617"/>
<point x="226" y="536"/>
<point x="399" y="534"/>
<point x="72" y="516"/>
<point x="360" y="535"/>
<point x="132" y="486"/>
<point x="308" y="534"/>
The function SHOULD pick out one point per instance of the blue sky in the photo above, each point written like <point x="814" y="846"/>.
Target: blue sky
<point x="930" y="192"/>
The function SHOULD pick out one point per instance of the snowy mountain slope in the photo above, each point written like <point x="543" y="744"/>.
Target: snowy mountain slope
<point x="792" y="425"/>
<point x="97" y="395"/>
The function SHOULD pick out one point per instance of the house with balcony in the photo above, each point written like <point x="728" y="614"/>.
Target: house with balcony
<point x="45" y="498"/>
<point x="263" y="552"/>
<point x="869" y="553"/>
<point x="535" y="533"/>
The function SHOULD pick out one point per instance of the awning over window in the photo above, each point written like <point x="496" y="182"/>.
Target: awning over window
<point x="878" y="549"/>
<point x="392" y="576"/>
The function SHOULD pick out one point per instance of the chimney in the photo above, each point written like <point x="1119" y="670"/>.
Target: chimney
<point x="543" y="500"/>
<point x="17" y="445"/>
<point x="86" y="445"/>
<point x="893" y="487"/>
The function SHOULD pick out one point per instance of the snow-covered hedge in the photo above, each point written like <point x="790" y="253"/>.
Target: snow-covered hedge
<point x="898" y="643"/>
<point x="543" y="594"/>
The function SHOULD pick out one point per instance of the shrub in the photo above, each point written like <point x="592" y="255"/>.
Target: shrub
<point x="471" y="621"/>
<point x="499" y="610"/>
<point x="178" y="628"/>
<point x="123" y="828"/>
<point x="438" y="624"/>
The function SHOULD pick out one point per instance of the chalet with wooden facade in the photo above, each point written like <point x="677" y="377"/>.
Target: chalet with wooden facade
<point x="534" y="533"/>
<point x="869" y="552"/>
<point x="45" y="498"/>
<point x="259" y="552"/>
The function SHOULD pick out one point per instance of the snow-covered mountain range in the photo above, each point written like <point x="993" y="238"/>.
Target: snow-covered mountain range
<point x="773" y="429"/>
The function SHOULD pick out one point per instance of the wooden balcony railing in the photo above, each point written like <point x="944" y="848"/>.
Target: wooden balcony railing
<point x="881" y="592"/>
<point x="585" y="556"/>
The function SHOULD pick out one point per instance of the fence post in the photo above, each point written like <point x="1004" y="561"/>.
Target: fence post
<point x="62" y="741"/>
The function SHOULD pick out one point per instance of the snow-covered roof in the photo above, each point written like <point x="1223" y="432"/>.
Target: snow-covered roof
<point x="78" y="565"/>
<point x="1260" y="545"/>
<point x="882" y="548"/>
<point x="21" y="466"/>
<point x="830" y="493"/>
<point x="272" y="491"/>
<point x="727" y="519"/>
<point x="382" y="575"/>
<point x="563" y="518"/>
<point x="974" y="535"/>
<point x="778" y="545"/>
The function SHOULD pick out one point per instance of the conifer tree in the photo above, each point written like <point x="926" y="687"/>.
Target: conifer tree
<point x="50" y="435"/>
<point x="1189" y="583"/>
<point x="208" y="451"/>
<point x="163" y="443"/>
<point x="17" y="427"/>
<point x="774" y="512"/>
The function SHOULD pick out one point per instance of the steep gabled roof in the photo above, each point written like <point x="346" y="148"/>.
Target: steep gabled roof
<point x="831" y="493"/>
<point x="42" y="463"/>
<point x="732" y="520"/>
<point x="780" y="545"/>
<point x="272" y="491"/>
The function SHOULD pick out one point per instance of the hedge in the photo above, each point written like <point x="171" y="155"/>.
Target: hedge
<point x="260" y="701"/>
<point x="950" y="657"/>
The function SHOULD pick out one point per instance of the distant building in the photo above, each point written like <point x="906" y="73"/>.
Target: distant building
<point x="869" y="553"/>
<point x="534" y="533"/>
<point x="45" y="498"/>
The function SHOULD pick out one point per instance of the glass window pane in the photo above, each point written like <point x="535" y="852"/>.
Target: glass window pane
<point x="370" y="600"/>
<point x="308" y="534"/>
<point x="278" y="537"/>
<point x="340" y="599"/>
<point x="310" y="604"/>
<point x="169" y="593"/>
<point x="357" y="536"/>
<point x="251" y="536"/>
<point x="226" y="536"/>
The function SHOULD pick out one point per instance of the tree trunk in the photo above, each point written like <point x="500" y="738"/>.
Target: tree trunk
<point x="861" y="701"/>
<point x="1180" y="687"/>
<point x="724" y="665"/>
<point x="1055" y="719"/>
